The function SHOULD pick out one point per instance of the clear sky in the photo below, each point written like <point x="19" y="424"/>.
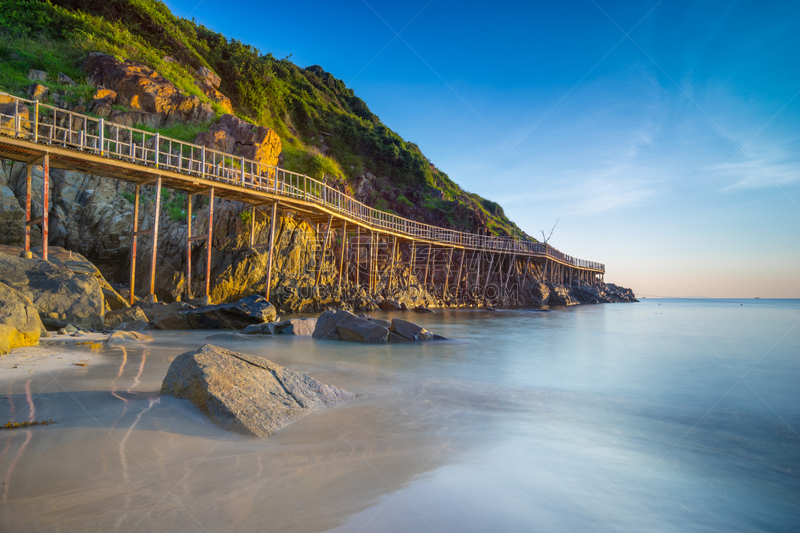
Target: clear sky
<point x="664" y="136"/>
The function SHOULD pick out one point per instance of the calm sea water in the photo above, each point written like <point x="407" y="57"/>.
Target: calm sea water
<point x="665" y="415"/>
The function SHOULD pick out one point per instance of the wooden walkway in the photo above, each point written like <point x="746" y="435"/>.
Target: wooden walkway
<point x="44" y="135"/>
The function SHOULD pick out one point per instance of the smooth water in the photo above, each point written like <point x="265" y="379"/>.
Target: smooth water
<point x="664" y="415"/>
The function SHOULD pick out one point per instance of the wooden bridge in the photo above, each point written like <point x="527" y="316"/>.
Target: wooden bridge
<point x="39" y="134"/>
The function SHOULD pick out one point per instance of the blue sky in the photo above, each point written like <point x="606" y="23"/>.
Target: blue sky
<point x="663" y="136"/>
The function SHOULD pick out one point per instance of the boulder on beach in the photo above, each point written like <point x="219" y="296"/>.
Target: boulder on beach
<point x="244" y="393"/>
<point x="20" y="324"/>
<point x="127" y="336"/>
<point x="238" y="315"/>
<point x="302" y="327"/>
<point x="60" y="295"/>
<point x="128" y="314"/>
<point x="344" y="325"/>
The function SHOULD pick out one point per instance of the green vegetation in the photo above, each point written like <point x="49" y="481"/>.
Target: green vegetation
<point x="246" y="217"/>
<point x="327" y="131"/>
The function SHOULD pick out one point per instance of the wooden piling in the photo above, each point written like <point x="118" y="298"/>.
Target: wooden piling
<point x="273" y="216"/>
<point x="344" y="247"/>
<point x="324" y="249"/>
<point x="154" y="253"/>
<point x="188" y="246"/>
<point x="134" y="238"/>
<point x="209" y="238"/>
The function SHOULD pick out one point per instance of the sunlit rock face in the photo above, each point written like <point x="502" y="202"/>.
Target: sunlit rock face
<point x="247" y="394"/>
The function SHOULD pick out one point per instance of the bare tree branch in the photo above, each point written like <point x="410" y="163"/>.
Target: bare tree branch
<point x="547" y="238"/>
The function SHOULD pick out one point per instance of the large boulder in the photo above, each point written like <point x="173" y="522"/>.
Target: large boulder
<point x="144" y="90"/>
<point x="302" y="327"/>
<point x="121" y="337"/>
<point x="344" y="325"/>
<point x="560" y="295"/>
<point x="129" y="314"/>
<point x="60" y="295"/>
<point x="239" y="137"/>
<point x="410" y="331"/>
<point x="238" y="315"/>
<point x="80" y="265"/>
<point x="209" y="83"/>
<point x="19" y="320"/>
<point x="244" y="393"/>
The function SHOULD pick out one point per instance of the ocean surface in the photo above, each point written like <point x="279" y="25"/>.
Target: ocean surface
<point x="665" y="415"/>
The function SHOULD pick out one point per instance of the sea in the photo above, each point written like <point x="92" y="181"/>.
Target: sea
<point x="666" y="415"/>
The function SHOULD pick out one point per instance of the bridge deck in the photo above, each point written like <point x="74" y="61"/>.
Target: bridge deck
<point x="92" y="145"/>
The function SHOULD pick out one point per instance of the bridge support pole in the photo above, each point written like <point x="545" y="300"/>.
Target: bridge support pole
<point x="525" y="274"/>
<point x="153" y="255"/>
<point x="134" y="238"/>
<point x="447" y="274"/>
<point x="273" y="216"/>
<point x="189" y="246"/>
<point x="427" y="267"/>
<point x="478" y="278"/>
<point x="209" y="238"/>
<point x="252" y="225"/>
<point x="45" y="204"/>
<point x="511" y="266"/>
<point x="358" y="255"/>
<point x="391" y="267"/>
<point x="412" y="262"/>
<point x="489" y="270"/>
<point x="371" y="270"/>
<point x="324" y="249"/>
<point x="460" y="269"/>
<point x="28" y="194"/>
<point x="344" y="247"/>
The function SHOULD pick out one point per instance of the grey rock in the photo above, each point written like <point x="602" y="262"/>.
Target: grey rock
<point x="237" y="337"/>
<point x="360" y="330"/>
<point x="380" y="322"/>
<point x="19" y="320"/>
<point x="129" y="314"/>
<point x="247" y="394"/>
<point x="251" y="310"/>
<point x="390" y="305"/>
<point x="410" y="331"/>
<point x="60" y="295"/>
<point x="63" y="79"/>
<point x="421" y="309"/>
<point x="258" y="329"/>
<point x="301" y="327"/>
<point x="119" y="337"/>
<point x="35" y="75"/>
<point x="133" y="325"/>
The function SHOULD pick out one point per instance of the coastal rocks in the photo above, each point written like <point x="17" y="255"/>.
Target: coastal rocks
<point x="238" y="315"/>
<point x="61" y="296"/>
<point x="38" y="92"/>
<point x="129" y="314"/>
<point x="120" y="337"/>
<point x="19" y="321"/>
<point x="13" y="115"/>
<point x="209" y="83"/>
<point x="301" y="327"/>
<point x="343" y="325"/>
<point x="143" y="89"/>
<point x="246" y="394"/>
<point x="80" y="265"/>
<point x="238" y="137"/>
<point x="560" y="295"/>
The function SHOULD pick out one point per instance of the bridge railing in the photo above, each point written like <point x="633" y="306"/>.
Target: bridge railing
<point x="45" y="124"/>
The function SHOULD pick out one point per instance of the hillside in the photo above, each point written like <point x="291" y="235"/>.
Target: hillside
<point x="326" y="130"/>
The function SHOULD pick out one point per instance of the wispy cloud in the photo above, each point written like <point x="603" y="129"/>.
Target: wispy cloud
<point x="775" y="168"/>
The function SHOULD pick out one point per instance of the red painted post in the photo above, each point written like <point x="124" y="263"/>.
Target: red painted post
<point x="154" y="253"/>
<point x="273" y="217"/>
<point x="28" y="194"/>
<point x="45" y="203"/>
<point x="208" y="241"/>
<point x="188" y="246"/>
<point x="133" y="244"/>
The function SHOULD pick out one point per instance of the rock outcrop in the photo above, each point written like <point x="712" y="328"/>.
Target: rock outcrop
<point x="343" y="325"/>
<point x="238" y="315"/>
<point x="247" y="394"/>
<point x="143" y="90"/>
<point x="209" y="83"/>
<point x="301" y="327"/>
<point x="61" y="296"/>
<point x="19" y="320"/>
<point x="113" y="319"/>
<point x="238" y="137"/>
